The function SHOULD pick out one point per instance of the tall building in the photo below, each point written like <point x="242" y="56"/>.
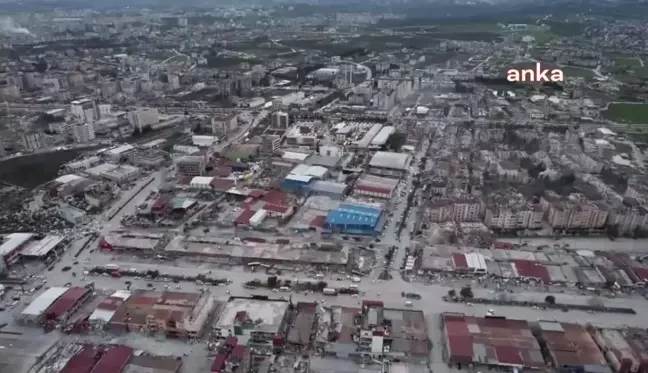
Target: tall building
<point x="33" y="141"/>
<point x="84" y="110"/>
<point x="83" y="132"/>
<point x="280" y="119"/>
<point x="143" y="117"/>
<point x="224" y="123"/>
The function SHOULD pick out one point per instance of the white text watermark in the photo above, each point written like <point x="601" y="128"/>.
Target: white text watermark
<point x="539" y="75"/>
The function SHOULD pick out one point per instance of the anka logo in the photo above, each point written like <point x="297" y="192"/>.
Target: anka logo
<point x="539" y="75"/>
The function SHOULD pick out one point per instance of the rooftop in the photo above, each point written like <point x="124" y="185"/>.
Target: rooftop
<point x="13" y="241"/>
<point x="391" y="160"/>
<point x="43" y="301"/>
<point x="41" y="247"/>
<point x="571" y="344"/>
<point x="266" y="314"/>
<point x="495" y="340"/>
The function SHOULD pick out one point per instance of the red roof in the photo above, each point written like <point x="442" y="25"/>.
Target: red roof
<point x="114" y="360"/>
<point x="276" y="197"/>
<point x="281" y="209"/>
<point x="373" y="189"/>
<point x="509" y="355"/>
<point x="221" y="184"/>
<point x="641" y="272"/>
<point x="318" y="221"/>
<point x="161" y="202"/>
<point x="68" y="300"/>
<point x="239" y="352"/>
<point x="459" y="260"/>
<point x="231" y="341"/>
<point x="222" y="171"/>
<point x="185" y="180"/>
<point x="532" y="269"/>
<point x="82" y="362"/>
<point x="244" y="217"/>
<point x="256" y="193"/>
<point x="219" y="362"/>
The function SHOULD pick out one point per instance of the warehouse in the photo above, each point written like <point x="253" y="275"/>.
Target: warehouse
<point x="296" y="183"/>
<point x="354" y="219"/>
<point x="382" y="136"/>
<point x="22" y="353"/>
<point x="130" y="241"/>
<point x="11" y="246"/>
<point x="490" y="342"/>
<point x="33" y="312"/>
<point x="571" y="348"/>
<point x="201" y="182"/>
<point x="107" y="308"/>
<point x="329" y="189"/>
<point x="389" y="164"/>
<point x="375" y="186"/>
<point x="318" y="172"/>
<point x="67" y="304"/>
<point x="39" y="249"/>
<point x="365" y="141"/>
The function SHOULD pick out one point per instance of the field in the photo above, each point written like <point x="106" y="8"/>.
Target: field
<point x="627" y="62"/>
<point x="570" y="71"/>
<point x="627" y="113"/>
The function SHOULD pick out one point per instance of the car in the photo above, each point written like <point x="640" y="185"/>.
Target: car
<point x="66" y="268"/>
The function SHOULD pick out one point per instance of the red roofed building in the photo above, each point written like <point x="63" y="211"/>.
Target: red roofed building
<point x="114" y="360"/>
<point x="276" y="197"/>
<point x="82" y="362"/>
<point x="231" y="358"/>
<point x="529" y="269"/>
<point x="318" y="222"/>
<point x="244" y="217"/>
<point x="67" y="304"/>
<point x="373" y="191"/>
<point x="221" y="185"/>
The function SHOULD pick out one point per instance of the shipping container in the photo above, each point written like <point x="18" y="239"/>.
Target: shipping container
<point x="329" y="291"/>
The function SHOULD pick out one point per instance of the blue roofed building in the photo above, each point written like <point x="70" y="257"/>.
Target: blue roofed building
<point x="354" y="219"/>
<point x="296" y="183"/>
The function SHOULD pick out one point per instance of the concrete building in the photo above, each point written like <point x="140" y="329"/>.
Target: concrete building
<point x="9" y="92"/>
<point x="389" y="164"/>
<point x="627" y="219"/>
<point x="71" y="214"/>
<point x="224" y="123"/>
<point x="295" y="137"/>
<point x="365" y="141"/>
<point x="119" y="153"/>
<point x="143" y="117"/>
<point x="280" y="119"/>
<point x="381" y="138"/>
<point x="84" y="110"/>
<point x="33" y="141"/>
<point x="190" y="165"/>
<point x="454" y="209"/>
<point x="252" y="321"/>
<point x="11" y="245"/>
<point x="115" y="173"/>
<point x="83" y="132"/>
<point x="173" y="314"/>
<point x="510" y="218"/>
<point x="576" y="212"/>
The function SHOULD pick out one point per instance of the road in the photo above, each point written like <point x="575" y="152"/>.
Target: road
<point x="626" y="245"/>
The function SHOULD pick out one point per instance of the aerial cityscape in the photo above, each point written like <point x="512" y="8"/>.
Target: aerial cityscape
<point x="323" y="186"/>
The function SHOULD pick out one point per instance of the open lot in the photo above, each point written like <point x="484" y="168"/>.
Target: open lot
<point x="627" y="113"/>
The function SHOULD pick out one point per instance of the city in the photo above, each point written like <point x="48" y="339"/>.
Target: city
<point x="323" y="187"/>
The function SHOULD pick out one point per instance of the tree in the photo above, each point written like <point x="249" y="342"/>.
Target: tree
<point x="452" y="293"/>
<point x="272" y="282"/>
<point x="321" y="285"/>
<point x="550" y="299"/>
<point x="396" y="141"/>
<point x="613" y="230"/>
<point x="466" y="292"/>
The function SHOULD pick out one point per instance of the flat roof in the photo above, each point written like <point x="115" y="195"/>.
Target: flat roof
<point x="41" y="247"/>
<point x="67" y="178"/>
<point x="18" y="354"/>
<point x="396" y="161"/>
<point x="66" y="301"/>
<point x="132" y="242"/>
<point x="13" y="241"/>
<point x="153" y="364"/>
<point x="120" y="149"/>
<point x="43" y="301"/>
<point x="270" y="312"/>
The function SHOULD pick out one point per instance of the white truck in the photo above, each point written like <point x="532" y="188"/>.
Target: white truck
<point x="329" y="291"/>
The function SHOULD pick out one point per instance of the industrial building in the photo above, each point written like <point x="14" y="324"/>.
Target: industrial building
<point x="296" y="183"/>
<point x="11" y="246"/>
<point x="35" y="310"/>
<point x="381" y="138"/>
<point x="571" y="348"/>
<point x="114" y="173"/>
<point x="252" y="321"/>
<point x="354" y="219"/>
<point x="365" y="141"/>
<point x="490" y="342"/>
<point x="375" y="186"/>
<point x="329" y="188"/>
<point x="173" y="314"/>
<point x="389" y="164"/>
<point x="66" y="305"/>
<point x="119" y="153"/>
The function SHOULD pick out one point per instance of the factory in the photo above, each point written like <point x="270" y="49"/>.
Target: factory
<point x="389" y="164"/>
<point x="354" y="219"/>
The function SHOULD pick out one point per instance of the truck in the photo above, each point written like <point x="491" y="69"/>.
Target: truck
<point x="113" y="267"/>
<point x="329" y="291"/>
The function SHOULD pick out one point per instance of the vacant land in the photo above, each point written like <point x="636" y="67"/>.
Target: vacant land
<point x="571" y="71"/>
<point x="627" y="62"/>
<point x="627" y="113"/>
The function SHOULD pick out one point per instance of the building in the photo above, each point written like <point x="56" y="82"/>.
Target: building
<point x="153" y="364"/>
<point x="389" y="164"/>
<point x="252" y="321"/>
<point x="354" y="219"/>
<point x="33" y="141"/>
<point x="231" y="358"/>
<point x="116" y="173"/>
<point x="148" y="158"/>
<point x="83" y="132"/>
<point x="174" y="314"/>
<point x="375" y="186"/>
<point x="510" y="218"/>
<point x="190" y="165"/>
<point x="71" y="214"/>
<point x="576" y="212"/>
<point x="119" y="153"/>
<point x="84" y="110"/>
<point x="9" y="92"/>
<point x="141" y="118"/>
<point x="329" y="188"/>
<point x="301" y="329"/>
<point x="11" y="246"/>
<point x="279" y="119"/>
<point x="453" y="209"/>
<point x="365" y="141"/>
<point x="571" y="348"/>
<point x="270" y="143"/>
<point x="36" y="309"/>
<point x="490" y="342"/>
<point x="296" y="136"/>
<point x="381" y="138"/>
<point x="67" y="304"/>
<point x="224" y="123"/>
<point x="296" y="183"/>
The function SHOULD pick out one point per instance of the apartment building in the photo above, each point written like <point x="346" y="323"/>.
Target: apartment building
<point x="143" y="117"/>
<point x="83" y="132"/>
<point x="510" y="218"/>
<point x="627" y="219"/>
<point x="190" y="165"/>
<point x="577" y="213"/>
<point x="454" y="209"/>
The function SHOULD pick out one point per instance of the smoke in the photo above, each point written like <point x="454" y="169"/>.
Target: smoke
<point x="7" y="27"/>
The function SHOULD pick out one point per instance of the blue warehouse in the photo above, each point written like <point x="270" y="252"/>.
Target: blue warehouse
<point x="296" y="183"/>
<point x="354" y="219"/>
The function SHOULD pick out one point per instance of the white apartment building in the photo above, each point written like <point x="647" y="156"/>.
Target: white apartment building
<point x="279" y="119"/>
<point x="628" y="219"/>
<point x="576" y="215"/>
<point x="143" y="117"/>
<point x="508" y="218"/>
<point x="84" y="110"/>
<point x="83" y="132"/>
<point x="459" y="209"/>
<point x="33" y="141"/>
